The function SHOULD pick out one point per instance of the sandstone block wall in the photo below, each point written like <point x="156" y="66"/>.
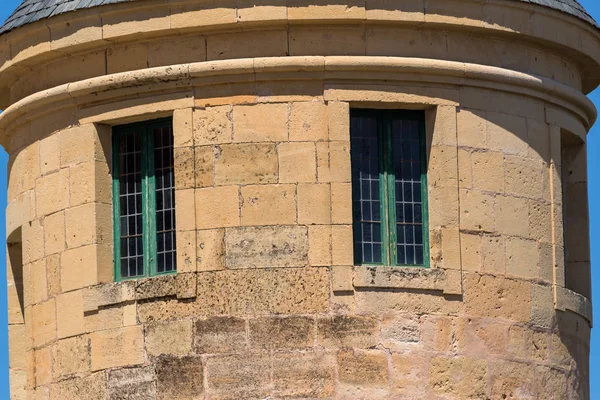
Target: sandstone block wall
<point x="267" y="302"/>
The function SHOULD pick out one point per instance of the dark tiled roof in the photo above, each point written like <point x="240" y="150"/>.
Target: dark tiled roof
<point x="34" y="10"/>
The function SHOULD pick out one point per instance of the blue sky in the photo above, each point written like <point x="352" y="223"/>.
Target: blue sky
<point x="593" y="7"/>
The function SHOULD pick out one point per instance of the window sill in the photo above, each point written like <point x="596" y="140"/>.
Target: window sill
<point x="181" y="286"/>
<point x="413" y="278"/>
<point x="572" y="301"/>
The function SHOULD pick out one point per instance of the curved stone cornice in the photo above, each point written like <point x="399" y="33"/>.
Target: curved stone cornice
<point x="328" y="70"/>
<point x="99" y="28"/>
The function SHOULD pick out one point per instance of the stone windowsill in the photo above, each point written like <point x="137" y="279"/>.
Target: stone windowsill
<point x="181" y="286"/>
<point x="572" y="301"/>
<point x="442" y="280"/>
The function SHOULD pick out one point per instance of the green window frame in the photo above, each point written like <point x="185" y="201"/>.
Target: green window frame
<point x="389" y="187"/>
<point x="143" y="200"/>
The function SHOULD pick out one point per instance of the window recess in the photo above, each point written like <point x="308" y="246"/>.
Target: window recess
<point x="144" y="200"/>
<point x="389" y="188"/>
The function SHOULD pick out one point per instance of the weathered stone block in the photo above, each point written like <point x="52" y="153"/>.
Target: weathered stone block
<point x="247" y="44"/>
<point x="249" y="292"/>
<point x="186" y="49"/>
<point x="437" y="333"/>
<point x="488" y="171"/>
<point x="319" y="245"/>
<point x="338" y="120"/>
<point x="308" y="122"/>
<point x="186" y="251"/>
<point x="367" y="367"/>
<point x="339" y="161"/>
<point x="341" y="203"/>
<point x="507" y="133"/>
<point x="102" y="319"/>
<point x="268" y="205"/>
<point x="496" y="297"/>
<point x="184" y="167"/>
<point x="117" y="348"/>
<point x="442" y="166"/>
<point x="38" y="281"/>
<point x="472" y="129"/>
<point x="458" y="376"/>
<point x="185" y="210"/>
<point x="342" y="279"/>
<point x="399" y="331"/>
<point x="342" y="245"/>
<point x="217" y="207"/>
<point x="17" y="346"/>
<point x="272" y="246"/>
<point x="330" y="40"/>
<point x="252" y="126"/>
<point x="132" y="384"/>
<point x="511" y="379"/>
<point x="479" y="338"/>
<point x="246" y="163"/>
<point x="71" y="356"/>
<point x="493" y="251"/>
<point x="351" y="331"/>
<point x="409" y="374"/>
<point x="220" y="335"/>
<point x="43" y="366"/>
<point x="90" y="182"/>
<point x="69" y="309"/>
<point x="33" y="237"/>
<point x="513" y="216"/>
<point x="540" y="221"/>
<point x="54" y="233"/>
<point x="171" y="338"/>
<point x="179" y="378"/>
<point x="281" y="333"/>
<point x="183" y="127"/>
<point x="92" y="387"/>
<point x="314" y="203"/>
<point x="477" y="211"/>
<point x="49" y="154"/>
<point x="44" y="322"/>
<point x="526" y="343"/>
<point x="97" y="258"/>
<point x="210" y="251"/>
<point x="470" y="252"/>
<point x="297" y="162"/>
<point x="524" y="177"/>
<point x="522" y="258"/>
<point x="203" y="169"/>
<point x="251" y="378"/>
<point x="79" y="144"/>
<point x="410" y="302"/>
<point x="88" y="224"/>
<point x="306" y="375"/>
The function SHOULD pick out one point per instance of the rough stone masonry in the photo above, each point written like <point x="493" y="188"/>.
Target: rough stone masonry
<point x="267" y="301"/>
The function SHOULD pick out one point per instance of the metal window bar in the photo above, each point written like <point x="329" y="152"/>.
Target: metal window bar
<point x="130" y="200"/>
<point x="165" y="200"/>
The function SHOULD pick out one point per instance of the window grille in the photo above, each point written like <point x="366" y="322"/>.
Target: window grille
<point x="389" y="188"/>
<point x="144" y="199"/>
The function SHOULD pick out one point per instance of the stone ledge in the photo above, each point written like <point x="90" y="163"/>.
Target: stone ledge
<point x="446" y="281"/>
<point x="155" y="81"/>
<point x="181" y="286"/>
<point x="567" y="300"/>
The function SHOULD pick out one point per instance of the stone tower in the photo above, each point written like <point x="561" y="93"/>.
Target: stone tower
<point x="277" y="199"/>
